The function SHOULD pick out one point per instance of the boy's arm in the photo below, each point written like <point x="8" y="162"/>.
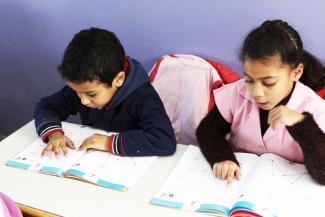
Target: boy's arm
<point x="312" y="142"/>
<point x="211" y="134"/>
<point x="155" y="136"/>
<point x="51" y="110"/>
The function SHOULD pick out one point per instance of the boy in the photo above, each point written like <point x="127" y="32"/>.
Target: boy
<point x="110" y="92"/>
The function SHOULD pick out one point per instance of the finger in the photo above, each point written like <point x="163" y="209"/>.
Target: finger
<point x="64" y="150"/>
<point x="81" y="147"/>
<point x="70" y="144"/>
<point x="85" y="146"/>
<point x="224" y="172"/>
<point x="271" y="115"/>
<point x="230" y="177"/>
<point x="219" y="170"/>
<point x="273" y="119"/>
<point x="56" y="150"/>
<point x="275" y="109"/>
<point x="238" y="173"/>
<point x="88" y="140"/>
<point x="47" y="150"/>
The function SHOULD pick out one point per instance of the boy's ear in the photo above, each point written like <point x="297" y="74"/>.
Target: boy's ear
<point x="118" y="79"/>
<point x="297" y="72"/>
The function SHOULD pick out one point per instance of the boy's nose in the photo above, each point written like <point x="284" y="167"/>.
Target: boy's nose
<point x="84" y="100"/>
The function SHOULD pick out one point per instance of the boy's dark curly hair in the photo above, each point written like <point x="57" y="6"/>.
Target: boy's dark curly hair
<point x="93" y="54"/>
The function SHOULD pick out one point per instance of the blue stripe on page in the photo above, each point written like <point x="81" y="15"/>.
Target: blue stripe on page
<point x="75" y="172"/>
<point x="110" y="185"/>
<point x="243" y="205"/>
<point x="52" y="170"/>
<point x="17" y="164"/>
<point x="213" y="207"/>
<point x="168" y="203"/>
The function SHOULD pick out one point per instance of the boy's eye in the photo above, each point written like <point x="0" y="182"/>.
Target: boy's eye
<point x="91" y="95"/>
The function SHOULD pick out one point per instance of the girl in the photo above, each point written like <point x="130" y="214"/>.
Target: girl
<point x="274" y="109"/>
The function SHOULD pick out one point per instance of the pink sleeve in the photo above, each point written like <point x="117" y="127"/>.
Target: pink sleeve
<point x="225" y="99"/>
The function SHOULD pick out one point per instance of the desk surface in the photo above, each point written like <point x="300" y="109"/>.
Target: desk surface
<point x="69" y="197"/>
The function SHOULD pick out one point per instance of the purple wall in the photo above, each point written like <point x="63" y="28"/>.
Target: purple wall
<point x="34" y="35"/>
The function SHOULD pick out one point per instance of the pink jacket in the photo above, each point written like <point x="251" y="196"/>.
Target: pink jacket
<point x="238" y="107"/>
<point x="8" y="208"/>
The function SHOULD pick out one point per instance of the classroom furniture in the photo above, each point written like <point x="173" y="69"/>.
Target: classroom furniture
<point x="45" y="195"/>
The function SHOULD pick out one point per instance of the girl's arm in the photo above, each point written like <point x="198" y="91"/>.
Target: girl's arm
<point x="312" y="141"/>
<point x="211" y="134"/>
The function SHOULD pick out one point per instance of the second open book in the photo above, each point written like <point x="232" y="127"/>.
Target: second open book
<point x="269" y="186"/>
<point x="97" y="167"/>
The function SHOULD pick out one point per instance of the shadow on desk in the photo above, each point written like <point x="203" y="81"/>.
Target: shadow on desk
<point x="32" y="212"/>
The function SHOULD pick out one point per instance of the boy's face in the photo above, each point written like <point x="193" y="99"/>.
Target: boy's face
<point x="95" y="94"/>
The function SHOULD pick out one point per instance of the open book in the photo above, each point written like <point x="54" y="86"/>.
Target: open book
<point x="93" y="166"/>
<point x="269" y="186"/>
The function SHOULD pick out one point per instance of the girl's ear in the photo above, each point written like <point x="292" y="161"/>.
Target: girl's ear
<point x="297" y="72"/>
<point x="118" y="79"/>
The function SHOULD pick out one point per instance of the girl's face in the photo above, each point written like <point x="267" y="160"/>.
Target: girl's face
<point x="269" y="81"/>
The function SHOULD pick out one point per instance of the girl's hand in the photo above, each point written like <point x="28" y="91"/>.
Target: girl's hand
<point x="226" y="170"/>
<point x="58" y="144"/>
<point x="283" y="115"/>
<point x="96" y="141"/>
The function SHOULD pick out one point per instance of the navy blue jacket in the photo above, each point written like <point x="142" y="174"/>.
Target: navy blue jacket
<point x="136" y="112"/>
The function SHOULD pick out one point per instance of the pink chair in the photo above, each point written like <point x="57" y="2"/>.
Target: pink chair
<point x="185" y="84"/>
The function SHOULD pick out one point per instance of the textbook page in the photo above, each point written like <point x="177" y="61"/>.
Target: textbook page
<point x="278" y="187"/>
<point x="108" y="170"/>
<point x="192" y="186"/>
<point x="31" y="159"/>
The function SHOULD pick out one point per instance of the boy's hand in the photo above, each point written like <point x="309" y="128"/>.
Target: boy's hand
<point x="226" y="170"/>
<point x="96" y="141"/>
<point x="283" y="115"/>
<point x="57" y="143"/>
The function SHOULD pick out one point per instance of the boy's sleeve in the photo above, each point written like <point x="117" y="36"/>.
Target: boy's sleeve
<point x="155" y="136"/>
<point x="51" y="110"/>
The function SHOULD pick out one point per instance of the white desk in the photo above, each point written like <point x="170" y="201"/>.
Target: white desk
<point x="69" y="197"/>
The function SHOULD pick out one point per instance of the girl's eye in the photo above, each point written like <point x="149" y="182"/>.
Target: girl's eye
<point x="269" y="84"/>
<point x="248" y="81"/>
<point x="92" y="95"/>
